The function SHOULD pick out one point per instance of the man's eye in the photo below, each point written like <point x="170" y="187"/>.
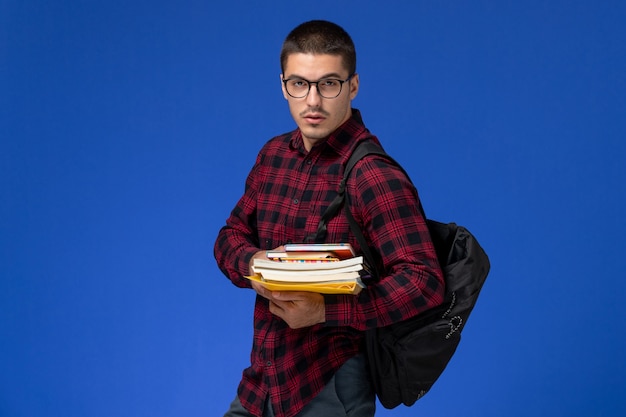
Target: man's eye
<point x="298" y="83"/>
<point x="329" y="83"/>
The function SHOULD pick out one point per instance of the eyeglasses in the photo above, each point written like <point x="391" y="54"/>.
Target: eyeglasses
<point x="326" y="87"/>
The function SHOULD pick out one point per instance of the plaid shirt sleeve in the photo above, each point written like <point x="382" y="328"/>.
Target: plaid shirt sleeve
<point x="383" y="201"/>
<point x="236" y="244"/>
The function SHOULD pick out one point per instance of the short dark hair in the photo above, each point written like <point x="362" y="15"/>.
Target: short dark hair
<point x="320" y="37"/>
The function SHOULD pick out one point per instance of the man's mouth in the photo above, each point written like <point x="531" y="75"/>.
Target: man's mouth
<point x="314" y="118"/>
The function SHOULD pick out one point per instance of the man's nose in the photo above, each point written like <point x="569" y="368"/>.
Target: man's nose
<point x="314" y="95"/>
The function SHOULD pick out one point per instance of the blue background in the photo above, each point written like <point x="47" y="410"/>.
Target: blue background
<point x="127" y="129"/>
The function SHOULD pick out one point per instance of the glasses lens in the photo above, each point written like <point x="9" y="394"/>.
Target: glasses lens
<point x="297" y="88"/>
<point x="329" y="88"/>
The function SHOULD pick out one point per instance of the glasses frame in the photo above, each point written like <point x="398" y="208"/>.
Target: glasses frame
<point x="317" y="86"/>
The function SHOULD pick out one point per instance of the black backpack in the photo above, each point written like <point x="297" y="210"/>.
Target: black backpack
<point x="406" y="358"/>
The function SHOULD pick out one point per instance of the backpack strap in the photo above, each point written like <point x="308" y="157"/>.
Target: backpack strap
<point x="363" y="149"/>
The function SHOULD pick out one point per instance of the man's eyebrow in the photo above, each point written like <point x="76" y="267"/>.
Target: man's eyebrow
<point x="329" y="75"/>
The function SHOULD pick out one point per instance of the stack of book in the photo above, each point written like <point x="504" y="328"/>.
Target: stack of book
<point x="324" y="268"/>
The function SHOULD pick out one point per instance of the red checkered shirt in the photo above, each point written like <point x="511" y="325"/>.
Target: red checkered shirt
<point x="286" y="193"/>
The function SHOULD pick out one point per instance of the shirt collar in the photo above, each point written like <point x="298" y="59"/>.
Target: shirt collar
<point x="341" y="140"/>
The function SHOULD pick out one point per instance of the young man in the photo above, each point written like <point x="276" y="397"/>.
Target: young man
<point x="307" y="356"/>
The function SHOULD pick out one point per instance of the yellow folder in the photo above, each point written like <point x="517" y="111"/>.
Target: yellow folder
<point x="349" y="287"/>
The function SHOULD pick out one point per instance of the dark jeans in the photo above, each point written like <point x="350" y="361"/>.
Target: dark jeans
<point x="348" y="394"/>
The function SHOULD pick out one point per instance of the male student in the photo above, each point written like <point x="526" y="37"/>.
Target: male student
<point x="307" y="355"/>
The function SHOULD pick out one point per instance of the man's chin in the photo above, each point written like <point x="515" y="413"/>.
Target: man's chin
<point x="314" y="133"/>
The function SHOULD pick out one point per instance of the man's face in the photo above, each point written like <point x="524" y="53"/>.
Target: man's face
<point x="316" y="116"/>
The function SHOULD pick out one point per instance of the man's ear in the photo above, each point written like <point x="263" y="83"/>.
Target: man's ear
<point x="282" y="85"/>
<point x="354" y="86"/>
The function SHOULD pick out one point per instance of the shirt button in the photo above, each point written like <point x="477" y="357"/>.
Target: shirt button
<point x="295" y="201"/>
<point x="268" y="363"/>
<point x="308" y="162"/>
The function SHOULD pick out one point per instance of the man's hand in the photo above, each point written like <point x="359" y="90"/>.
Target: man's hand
<point x="259" y="255"/>
<point x="298" y="308"/>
